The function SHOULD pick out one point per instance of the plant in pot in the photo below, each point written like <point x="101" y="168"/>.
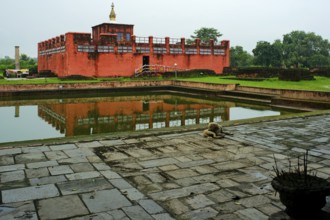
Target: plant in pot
<point x="300" y="190"/>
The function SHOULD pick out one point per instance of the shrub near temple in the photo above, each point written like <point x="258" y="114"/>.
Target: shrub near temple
<point x="295" y="75"/>
<point x="269" y="72"/>
<point x="190" y="73"/>
<point x="321" y="72"/>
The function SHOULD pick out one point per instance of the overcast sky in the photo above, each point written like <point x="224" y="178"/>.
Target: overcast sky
<point x="244" y="22"/>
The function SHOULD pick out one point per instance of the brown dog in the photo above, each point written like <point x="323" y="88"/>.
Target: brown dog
<point x="215" y="130"/>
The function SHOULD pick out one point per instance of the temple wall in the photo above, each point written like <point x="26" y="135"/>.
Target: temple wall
<point x="79" y="54"/>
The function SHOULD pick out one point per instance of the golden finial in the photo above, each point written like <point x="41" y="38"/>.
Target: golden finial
<point x="112" y="15"/>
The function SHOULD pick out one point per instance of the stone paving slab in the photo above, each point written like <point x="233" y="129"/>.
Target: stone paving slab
<point x="136" y="212"/>
<point x="47" y="180"/>
<point x="61" y="207"/>
<point x="58" y="170"/>
<point x="105" y="200"/>
<point x="172" y="176"/>
<point x="6" y="160"/>
<point x="36" y="173"/>
<point x="35" y="149"/>
<point x="29" y="193"/>
<point x="13" y="167"/>
<point x="30" y="157"/>
<point x="42" y="164"/>
<point x="85" y="185"/>
<point x="10" y="151"/>
<point x="60" y="147"/>
<point x="19" y="210"/>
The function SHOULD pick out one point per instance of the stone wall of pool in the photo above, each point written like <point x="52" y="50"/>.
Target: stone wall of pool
<point x="26" y="89"/>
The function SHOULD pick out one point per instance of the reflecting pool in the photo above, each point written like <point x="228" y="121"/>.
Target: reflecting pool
<point x="50" y="118"/>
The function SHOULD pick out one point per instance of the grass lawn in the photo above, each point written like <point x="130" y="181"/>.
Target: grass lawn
<point x="319" y="84"/>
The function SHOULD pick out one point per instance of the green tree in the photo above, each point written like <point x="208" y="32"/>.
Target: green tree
<point x="24" y="57"/>
<point x="239" y="57"/>
<point x="305" y="49"/>
<point x="25" y="63"/>
<point x="266" y="54"/>
<point x="206" y="34"/>
<point x="262" y="53"/>
<point x="319" y="60"/>
<point x="6" y="63"/>
<point x="277" y="54"/>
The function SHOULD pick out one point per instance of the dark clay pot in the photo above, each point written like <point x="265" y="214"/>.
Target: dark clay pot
<point x="302" y="201"/>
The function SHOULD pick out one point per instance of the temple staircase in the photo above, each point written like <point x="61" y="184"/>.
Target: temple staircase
<point x="151" y="70"/>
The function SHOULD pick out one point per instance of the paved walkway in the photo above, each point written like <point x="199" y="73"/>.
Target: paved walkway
<point x="176" y="176"/>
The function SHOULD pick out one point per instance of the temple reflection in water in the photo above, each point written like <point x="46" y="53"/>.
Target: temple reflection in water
<point x="130" y="113"/>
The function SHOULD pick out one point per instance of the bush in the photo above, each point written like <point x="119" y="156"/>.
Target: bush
<point x="46" y="73"/>
<point x="77" y="77"/>
<point x="321" y="72"/>
<point x="191" y="73"/>
<point x="295" y="75"/>
<point x="260" y="73"/>
<point x="252" y="72"/>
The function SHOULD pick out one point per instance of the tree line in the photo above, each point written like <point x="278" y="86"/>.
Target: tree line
<point x="26" y="62"/>
<point x="297" y="49"/>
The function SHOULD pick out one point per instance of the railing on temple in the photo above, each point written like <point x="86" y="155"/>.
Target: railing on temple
<point x="147" y="69"/>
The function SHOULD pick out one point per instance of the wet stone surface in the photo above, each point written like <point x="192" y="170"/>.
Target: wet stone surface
<point x="172" y="176"/>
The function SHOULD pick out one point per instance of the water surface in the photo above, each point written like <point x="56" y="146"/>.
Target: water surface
<point x="50" y="118"/>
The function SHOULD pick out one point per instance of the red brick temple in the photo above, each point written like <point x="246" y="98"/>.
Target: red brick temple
<point x="113" y="50"/>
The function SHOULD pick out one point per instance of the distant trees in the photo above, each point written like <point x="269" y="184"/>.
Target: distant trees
<point x="26" y="62"/>
<point x="7" y="63"/>
<point x="263" y="53"/>
<point x="205" y="35"/>
<point x="297" y="49"/>
<point x="239" y="57"/>
<point x="266" y="54"/>
<point x="305" y="49"/>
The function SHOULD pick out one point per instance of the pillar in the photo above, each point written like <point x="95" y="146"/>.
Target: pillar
<point x="133" y="40"/>
<point x="151" y="44"/>
<point x="212" y="46"/>
<point x="16" y="111"/>
<point x="17" y="64"/>
<point x="198" y="43"/>
<point x="183" y="43"/>
<point x="167" y="44"/>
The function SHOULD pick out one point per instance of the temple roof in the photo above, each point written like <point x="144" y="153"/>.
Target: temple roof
<point x="115" y="24"/>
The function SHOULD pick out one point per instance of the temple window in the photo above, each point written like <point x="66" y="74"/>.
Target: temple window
<point x="205" y="51"/>
<point x="175" y="50"/>
<point x="120" y="36"/>
<point x="84" y="48"/>
<point x="191" y="51"/>
<point x="128" y="37"/>
<point x="142" y="49"/>
<point x="159" y="50"/>
<point x="105" y="49"/>
<point x="219" y="52"/>
<point x="125" y="49"/>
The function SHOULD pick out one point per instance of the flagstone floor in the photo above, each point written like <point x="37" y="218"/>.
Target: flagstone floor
<point x="172" y="176"/>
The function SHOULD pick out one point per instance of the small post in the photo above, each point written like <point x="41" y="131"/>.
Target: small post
<point x="175" y="70"/>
